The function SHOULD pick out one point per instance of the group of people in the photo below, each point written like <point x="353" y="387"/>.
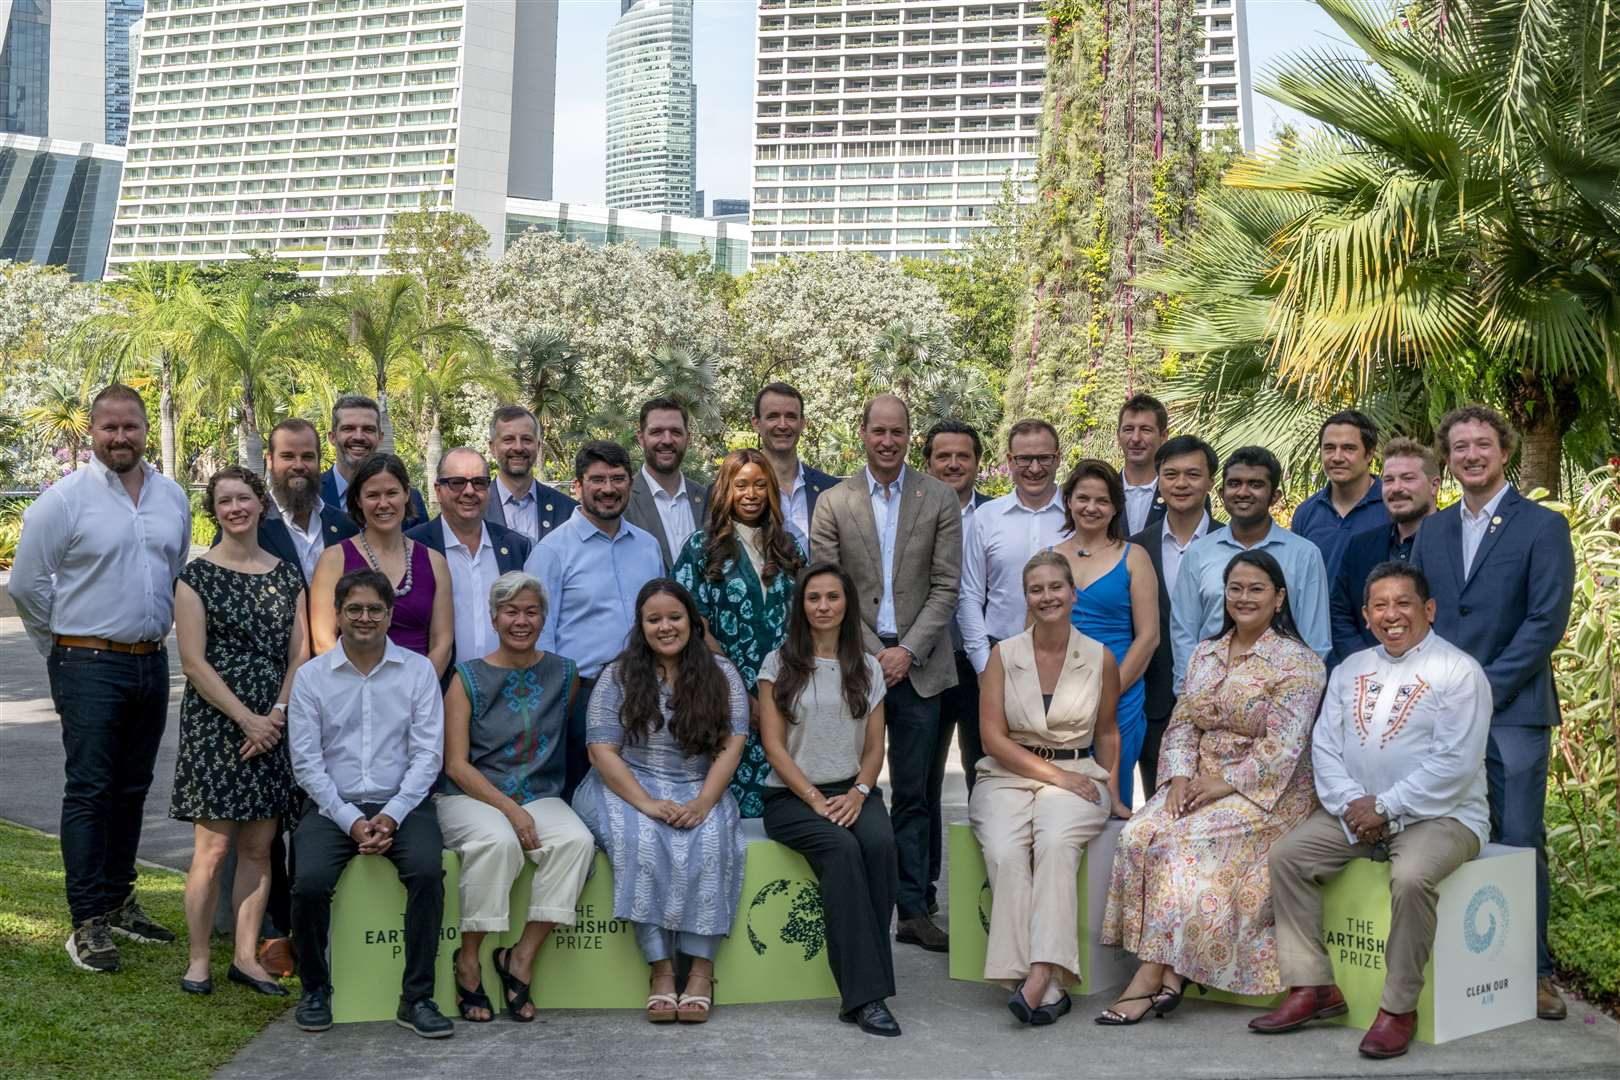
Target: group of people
<point x="527" y="678"/>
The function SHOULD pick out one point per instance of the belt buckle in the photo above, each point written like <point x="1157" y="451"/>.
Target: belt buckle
<point x="1046" y="753"/>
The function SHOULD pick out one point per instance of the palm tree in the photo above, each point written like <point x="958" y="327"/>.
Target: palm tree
<point x="690" y="377"/>
<point x="430" y="378"/>
<point x="62" y="415"/>
<point x="546" y="369"/>
<point x="905" y="353"/>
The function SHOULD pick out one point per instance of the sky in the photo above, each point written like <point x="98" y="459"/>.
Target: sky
<point x="723" y="46"/>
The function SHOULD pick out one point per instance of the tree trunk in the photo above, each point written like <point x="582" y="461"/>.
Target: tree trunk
<point x="431" y="454"/>
<point x="384" y="421"/>
<point x="166" y="415"/>
<point x="1540" y="453"/>
<point x="249" y="444"/>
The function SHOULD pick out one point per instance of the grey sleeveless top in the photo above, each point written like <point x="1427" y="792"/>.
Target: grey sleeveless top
<point x="518" y="727"/>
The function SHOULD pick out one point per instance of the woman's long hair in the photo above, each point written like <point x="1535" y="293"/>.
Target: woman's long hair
<point x="1283" y="621"/>
<point x="700" y="700"/>
<point x="797" y="656"/>
<point x="780" y="553"/>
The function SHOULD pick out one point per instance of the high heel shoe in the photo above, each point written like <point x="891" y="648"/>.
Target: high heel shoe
<point x="1112" y="1017"/>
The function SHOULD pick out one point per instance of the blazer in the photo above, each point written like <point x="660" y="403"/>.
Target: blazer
<point x="642" y="512"/>
<point x="554" y="507"/>
<point x="927" y="571"/>
<point x="1157" y="508"/>
<point x="816" y="482"/>
<point x="511" y="547"/>
<point x="274" y="537"/>
<point x="1365" y="550"/>
<point x="1159" y="680"/>
<point x="1510" y="612"/>
<point x="415" y="514"/>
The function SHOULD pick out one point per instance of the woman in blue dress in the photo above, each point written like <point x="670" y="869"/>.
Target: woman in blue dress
<point x="1116" y="594"/>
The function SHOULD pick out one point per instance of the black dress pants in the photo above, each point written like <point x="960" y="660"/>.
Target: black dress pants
<point x="913" y="723"/>
<point x="856" y="869"/>
<point x="959" y="712"/>
<point x="1148" y="763"/>
<point x="322" y="850"/>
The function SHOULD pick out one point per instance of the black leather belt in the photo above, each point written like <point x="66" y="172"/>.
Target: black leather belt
<point x="1052" y="754"/>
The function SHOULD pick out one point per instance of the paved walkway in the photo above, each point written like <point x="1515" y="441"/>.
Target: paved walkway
<point x="952" y="1029"/>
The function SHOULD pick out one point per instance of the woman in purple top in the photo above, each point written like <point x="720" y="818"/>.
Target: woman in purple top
<point x="378" y="500"/>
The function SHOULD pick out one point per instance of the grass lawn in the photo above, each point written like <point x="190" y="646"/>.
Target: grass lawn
<point x="59" y="1022"/>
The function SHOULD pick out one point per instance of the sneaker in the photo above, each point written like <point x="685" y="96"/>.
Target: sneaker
<point x="129" y="920"/>
<point x="314" y="1012"/>
<point x="424" y="1018"/>
<point x="91" y="948"/>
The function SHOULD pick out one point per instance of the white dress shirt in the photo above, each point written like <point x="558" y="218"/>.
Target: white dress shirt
<point x="886" y="503"/>
<point x="1138" y="503"/>
<point x="93" y="563"/>
<point x="796" y="504"/>
<point x="1172" y="550"/>
<point x="1410" y="730"/>
<point x="1005" y="534"/>
<point x="674" y="511"/>
<point x="374" y="738"/>
<point x="1474" y="526"/>
<point x="471" y="575"/>
<point x="521" y="512"/>
<point x="967" y="528"/>
<point x="309" y="543"/>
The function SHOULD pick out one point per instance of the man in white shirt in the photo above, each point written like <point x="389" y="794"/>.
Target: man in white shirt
<point x="365" y="726"/>
<point x="93" y="582"/>
<point x="778" y="420"/>
<point x="1399" y="758"/>
<point x="299" y="524"/>
<point x="1144" y="424"/>
<point x="663" y="500"/>
<point x="518" y="501"/>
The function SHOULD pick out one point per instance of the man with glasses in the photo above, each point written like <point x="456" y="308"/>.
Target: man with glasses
<point x="1006" y="531"/>
<point x="477" y="550"/>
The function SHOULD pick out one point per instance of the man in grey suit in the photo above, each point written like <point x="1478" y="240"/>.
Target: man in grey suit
<point x="663" y="500"/>
<point x="898" y="533"/>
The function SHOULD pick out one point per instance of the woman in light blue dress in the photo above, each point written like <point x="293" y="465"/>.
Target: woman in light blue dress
<point x="1116" y="596"/>
<point x="665" y="729"/>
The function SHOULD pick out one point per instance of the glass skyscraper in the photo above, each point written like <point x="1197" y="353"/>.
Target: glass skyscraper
<point x="25" y="68"/>
<point x="57" y="202"/>
<point x="121" y="15"/>
<point x="652" y="108"/>
<point x="64" y="68"/>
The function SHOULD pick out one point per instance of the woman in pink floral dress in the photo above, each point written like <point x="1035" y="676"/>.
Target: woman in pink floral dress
<point x="1191" y="893"/>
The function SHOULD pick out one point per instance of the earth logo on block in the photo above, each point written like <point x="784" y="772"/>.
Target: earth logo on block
<point x="1486" y="922"/>
<point x="984" y="905"/>
<point x="790" y="913"/>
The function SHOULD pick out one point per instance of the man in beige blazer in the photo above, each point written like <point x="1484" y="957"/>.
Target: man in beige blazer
<point x="898" y="532"/>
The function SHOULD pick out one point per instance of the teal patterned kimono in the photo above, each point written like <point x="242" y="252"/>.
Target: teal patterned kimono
<point x="749" y="621"/>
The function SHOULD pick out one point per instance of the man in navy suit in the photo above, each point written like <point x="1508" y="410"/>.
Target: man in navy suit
<point x="299" y="524"/>
<point x="477" y="550"/>
<point x="1411" y="483"/>
<point x="779" y="422"/>
<point x="1186" y="468"/>
<point x="517" y="500"/>
<point x="1502" y="573"/>
<point x="355" y="435"/>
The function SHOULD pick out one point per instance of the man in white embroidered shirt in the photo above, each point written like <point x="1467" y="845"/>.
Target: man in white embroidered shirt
<point x="1399" y="756"/>
<point x="365" y="726"/>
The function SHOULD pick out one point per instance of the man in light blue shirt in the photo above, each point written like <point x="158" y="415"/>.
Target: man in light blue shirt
<point x="592" y="566"/>
<point x="1249" y="488"/>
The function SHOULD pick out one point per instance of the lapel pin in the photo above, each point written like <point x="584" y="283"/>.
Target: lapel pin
<point x="270" y="589"/>
<point x="331" y="528"/>
<point x="548" y="506"/>
<point x="1495" y="521"/>
<point x="503" y="551"/>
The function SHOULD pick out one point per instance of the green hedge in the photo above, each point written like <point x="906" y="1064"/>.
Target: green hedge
<point x="1584" y="931"/>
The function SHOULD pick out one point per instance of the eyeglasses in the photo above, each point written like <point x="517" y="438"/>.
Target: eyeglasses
<point x="1034" y="461"/>
<point x="1238" y="592"/>
<point x="367" y="612"/>
<point x="459" y="483"/>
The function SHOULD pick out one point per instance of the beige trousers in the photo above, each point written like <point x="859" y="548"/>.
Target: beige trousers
<point x="1421" y="856"/>
<point x="1032" y="836"/>
<point x="491" y="860"/>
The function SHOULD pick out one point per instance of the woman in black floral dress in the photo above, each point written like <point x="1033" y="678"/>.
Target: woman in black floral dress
<point x="240" y="623"/>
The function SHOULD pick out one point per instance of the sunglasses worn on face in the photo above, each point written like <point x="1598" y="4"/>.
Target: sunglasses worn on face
<point x="459" y="483"/>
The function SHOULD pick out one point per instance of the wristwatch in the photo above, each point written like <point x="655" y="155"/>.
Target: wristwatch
<point x="866" y="792"/>
<point x="1380" y="809"/>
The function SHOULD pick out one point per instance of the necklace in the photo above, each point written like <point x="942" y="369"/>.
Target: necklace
<point x="404" y="589"/>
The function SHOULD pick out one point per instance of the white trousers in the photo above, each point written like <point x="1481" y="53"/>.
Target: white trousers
<point x="491" y="860"/>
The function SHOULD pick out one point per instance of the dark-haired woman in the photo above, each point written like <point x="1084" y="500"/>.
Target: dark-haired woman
<point x="1191" y="892"/>
<point x="665" y="728"/>
<point x="739" y="568"/>
<point x="239" y="621"/>
<point x="821" y="723"/>
<point x="378" y="500"/>
<point x="1116" y="599"/>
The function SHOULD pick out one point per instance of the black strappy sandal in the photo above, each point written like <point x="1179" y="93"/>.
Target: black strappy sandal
<point x="470" y="999"/>
<point x="1112" y="1017"/>
<point x="514" y="990"/>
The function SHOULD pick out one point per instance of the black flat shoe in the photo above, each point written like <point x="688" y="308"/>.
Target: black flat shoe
<point x="1018" y="1006"/>
<point x="874" y="1018"/>
<point x="468" y="1000"/>
<point x="1045" y="1015"/>
<point x="197" y="986"/>
<point x="267" y="987"/>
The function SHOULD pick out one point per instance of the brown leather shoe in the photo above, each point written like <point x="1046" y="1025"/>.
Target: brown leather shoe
<point x="1549" y="1003"/>
<point x="922" y="931"/>
<point x="276" y="954"/>
<point x="1389" y="1035"/>
<point x="1302" y="1005"/>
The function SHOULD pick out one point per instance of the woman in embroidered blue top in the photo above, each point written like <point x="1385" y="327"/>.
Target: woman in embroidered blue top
<point x="740" y="569"/>
<point x="505" y="724"/>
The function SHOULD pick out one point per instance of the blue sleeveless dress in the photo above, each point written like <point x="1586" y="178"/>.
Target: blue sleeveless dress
<point x="1102" y="611"/>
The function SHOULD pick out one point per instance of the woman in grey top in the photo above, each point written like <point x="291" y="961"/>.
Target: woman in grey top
<point x="821" y="723"/>
<point x="505" y="723"/>
<point x="665" y="730"/>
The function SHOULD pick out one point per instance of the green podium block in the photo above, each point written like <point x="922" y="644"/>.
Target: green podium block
<point x="777" y="950"/>
<point x="594" y="964"/>
<point x="367" y="942"/>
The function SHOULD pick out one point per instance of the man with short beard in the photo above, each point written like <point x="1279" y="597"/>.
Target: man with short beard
<point x="299" y="524"/>
<point x="93" y="582"/>
<point x="1411" y="482"/>
<point x="355" y="435"/>
<point x="664" y="501"/>
<point x="518" y="501"/>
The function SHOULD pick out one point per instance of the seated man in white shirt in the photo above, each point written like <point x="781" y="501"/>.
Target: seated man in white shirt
<point x="365" y="726"/>
<point x="1399" y="755"/>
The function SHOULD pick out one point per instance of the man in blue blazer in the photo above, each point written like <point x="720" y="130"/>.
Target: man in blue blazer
<point x="1502" y="572"/>
<point x="779" y="422"/>
<point x="517" y="500"/>
<point x="355" y="435"/>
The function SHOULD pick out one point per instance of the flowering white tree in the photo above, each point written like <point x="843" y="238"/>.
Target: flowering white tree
<point x="39" y="308"/>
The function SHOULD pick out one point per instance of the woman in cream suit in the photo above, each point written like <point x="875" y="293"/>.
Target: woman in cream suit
<point x="1046" y="785"/>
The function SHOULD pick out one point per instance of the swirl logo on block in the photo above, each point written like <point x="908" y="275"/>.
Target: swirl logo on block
<point x="1486" y="922"/>
<point x="796" y="913"/>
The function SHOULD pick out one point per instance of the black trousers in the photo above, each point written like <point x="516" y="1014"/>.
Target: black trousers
<point x="856" y="869"/>
<point x="1148" y="763"/>
<point x="913" y="723"/>
<point x="113" y="707"/>
<point x="958" y="712"/>
<point x="576" y="757"/>
<point x="322" y="850"/>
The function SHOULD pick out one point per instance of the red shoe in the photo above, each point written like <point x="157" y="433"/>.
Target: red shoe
<point x="1389" y="1035"/>
<point x="1302" y="1005"/>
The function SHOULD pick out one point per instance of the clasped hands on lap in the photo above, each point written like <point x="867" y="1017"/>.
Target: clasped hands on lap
<point x="1194" y="793"/>
<point x="375" y="835"/>
<point x="677" y="815"/>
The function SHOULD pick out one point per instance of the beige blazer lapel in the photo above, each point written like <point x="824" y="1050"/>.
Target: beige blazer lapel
<point x="865" y="522"/>
<point x="1076" y="680"/>
<point x="1029" y="716"/>
<point x="912" y="498"/>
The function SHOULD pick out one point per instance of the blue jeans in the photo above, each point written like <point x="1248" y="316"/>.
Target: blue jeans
<point x="113" y="708"/>
<point x="658" y="943"/>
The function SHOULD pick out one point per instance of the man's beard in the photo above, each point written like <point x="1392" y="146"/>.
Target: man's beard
<point x="1418" y="512"/>
<point x="510" y="467"/>
<point x="296" y="495"/>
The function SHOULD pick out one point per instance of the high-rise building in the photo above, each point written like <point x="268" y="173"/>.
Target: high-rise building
<point x="64" y="68"/>
<point x="726" y="242"/>
<point x="720" y="208"/>
<point x="651" y="108"/>
<point x="121" y="18"/>
<point x="1223" y="70"/>
<point x="302" y="127"/>
<point x="57" y="201"/>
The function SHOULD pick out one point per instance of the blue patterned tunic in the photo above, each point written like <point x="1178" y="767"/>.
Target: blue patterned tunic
<point x="517" y="731"/>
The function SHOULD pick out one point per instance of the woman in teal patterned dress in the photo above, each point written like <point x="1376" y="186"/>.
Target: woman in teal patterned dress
<point x="740" y="568"/>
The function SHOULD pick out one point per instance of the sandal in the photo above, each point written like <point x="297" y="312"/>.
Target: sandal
<point x="1112" y="1017"/>
<point x="662" y="1016"/>
<point x="467" y="1000"/>
<point x="694" y="1009"/>
<point x="514" y="990"/>
<point x="1166" y="1000"/>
